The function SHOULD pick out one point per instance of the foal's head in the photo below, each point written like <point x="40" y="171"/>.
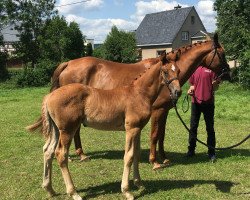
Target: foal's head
<point x="170" y="72"/>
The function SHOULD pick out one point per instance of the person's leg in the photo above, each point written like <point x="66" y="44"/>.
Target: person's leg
<point x="209" y="120"/>
<point x="194" y="123"/>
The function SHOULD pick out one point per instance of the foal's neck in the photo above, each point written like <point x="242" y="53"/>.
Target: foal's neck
<point x="149" y="83"/>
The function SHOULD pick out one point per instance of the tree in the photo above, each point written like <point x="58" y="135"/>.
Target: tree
<point x="120" y="46"/>
<point x="30" y="15"/>
<point x="75" y="46"/>
<point x="3" y="54"/>
<point x="233" y="21"/>
<point x="61" y="41"/>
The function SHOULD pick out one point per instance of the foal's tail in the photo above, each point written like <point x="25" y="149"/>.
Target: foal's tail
<point x="56" y="74"/>
<point x="44" y="124"/>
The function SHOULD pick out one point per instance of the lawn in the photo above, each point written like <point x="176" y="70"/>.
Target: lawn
<point x="21" y="158"/>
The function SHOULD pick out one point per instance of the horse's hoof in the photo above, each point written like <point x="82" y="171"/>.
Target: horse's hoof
<point x="158" y="166"/>
<point x="166" y="162"/>
<point x="84" y="158"/>
<point x="138" y="184"/>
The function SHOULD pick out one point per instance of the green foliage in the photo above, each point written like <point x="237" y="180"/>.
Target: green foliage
<point x="38" y="76"/>
<point x="233" y="19"/>
<point x="99" y="52"/>
<point x="30" y="16"/>
<point x="120" y="46"/>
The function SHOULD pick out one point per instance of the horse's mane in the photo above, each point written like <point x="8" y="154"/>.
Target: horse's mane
<point x="185" y="49"/>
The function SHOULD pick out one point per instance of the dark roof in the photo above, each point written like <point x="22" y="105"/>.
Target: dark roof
<point x="201" y="34"/>
<point x="9" y="33"/>
<point x="161" y="27"/>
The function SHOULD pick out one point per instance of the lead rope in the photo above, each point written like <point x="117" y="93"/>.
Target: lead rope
<point x="216" y="148"/>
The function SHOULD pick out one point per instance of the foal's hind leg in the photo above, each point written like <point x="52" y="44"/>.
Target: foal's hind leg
<point x="49" y="152"/>
<point x="137" y="178"/>
<point x="130" y="147"/>
<point x="62" y="152"/>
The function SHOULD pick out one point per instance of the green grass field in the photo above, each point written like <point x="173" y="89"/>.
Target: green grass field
<point x="21" y="158"/>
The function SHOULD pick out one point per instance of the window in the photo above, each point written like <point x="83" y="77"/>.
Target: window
<point x="159" y="52"/>
<point x="192" y="19"/>
<point x="184" y="35"/>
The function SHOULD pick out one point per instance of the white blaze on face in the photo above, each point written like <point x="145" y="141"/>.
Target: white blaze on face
<point x="173" y="68"/>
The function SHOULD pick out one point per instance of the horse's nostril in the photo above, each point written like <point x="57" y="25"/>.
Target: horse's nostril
<point x="178" y="93"/>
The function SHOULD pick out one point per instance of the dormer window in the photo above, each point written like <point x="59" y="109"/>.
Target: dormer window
<point x="184" y="35"/>
<point x="192" y="19"/>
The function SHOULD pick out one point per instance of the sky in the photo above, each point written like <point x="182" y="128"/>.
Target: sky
<point x="96" y="17"/>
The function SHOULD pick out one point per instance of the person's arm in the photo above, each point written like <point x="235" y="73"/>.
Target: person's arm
<point x="191" y="88"/>
<point x="215" y="83"/>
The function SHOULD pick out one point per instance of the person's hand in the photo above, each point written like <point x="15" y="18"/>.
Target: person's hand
<point x="191" y="91"/>
<point x="215" y="84"/>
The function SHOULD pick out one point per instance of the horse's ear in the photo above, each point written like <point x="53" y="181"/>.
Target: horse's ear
<point x="216" y="41"/>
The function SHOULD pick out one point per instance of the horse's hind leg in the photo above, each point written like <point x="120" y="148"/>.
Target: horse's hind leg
<point x="62" y="152"/>
<point x="78" y="146"/>
<point x="49" y="152"/>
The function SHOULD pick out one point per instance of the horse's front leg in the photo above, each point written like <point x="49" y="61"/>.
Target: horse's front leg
<point x="158" y="121"/>
<point x="78" y="146"/>
<point x="130" y="148"/>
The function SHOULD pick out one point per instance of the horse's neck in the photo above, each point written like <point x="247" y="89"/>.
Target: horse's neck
<point x="150" y="82"/>
<point x="190" y="60"/>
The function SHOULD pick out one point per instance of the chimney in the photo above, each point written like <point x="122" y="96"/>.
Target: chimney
<point x="177" y="7"/>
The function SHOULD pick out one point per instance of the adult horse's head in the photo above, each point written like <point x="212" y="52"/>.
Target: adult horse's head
<point x="216" y="60"/>
<point x="170" y="72"/>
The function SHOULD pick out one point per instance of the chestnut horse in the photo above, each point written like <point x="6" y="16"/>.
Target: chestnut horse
<point x="105" y="74"/>
<point x="125" y="108"/>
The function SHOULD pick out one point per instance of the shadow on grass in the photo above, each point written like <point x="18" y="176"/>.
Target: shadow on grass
<point x="176" y="158"/>
<point x="154" y="186"/>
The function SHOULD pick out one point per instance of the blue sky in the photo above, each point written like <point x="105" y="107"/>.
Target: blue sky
<point x="96" y="17"/>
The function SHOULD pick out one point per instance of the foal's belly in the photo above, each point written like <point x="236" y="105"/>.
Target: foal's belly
<point x="113" y="124"/>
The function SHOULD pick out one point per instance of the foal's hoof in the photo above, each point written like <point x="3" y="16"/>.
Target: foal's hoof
<point x="128" y="196"/>
<point x="76" y="197"/>
<point x="138" y="184"/>
<point x="84" y="158"/>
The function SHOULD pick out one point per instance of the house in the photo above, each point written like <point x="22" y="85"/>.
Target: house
<point x="168" y="30"/>
<point x="9" y="38"/>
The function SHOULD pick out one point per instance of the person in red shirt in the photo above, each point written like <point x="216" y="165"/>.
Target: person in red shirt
<point x="203" y="83"/>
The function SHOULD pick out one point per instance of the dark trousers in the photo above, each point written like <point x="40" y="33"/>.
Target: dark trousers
<point x="208" y="113"/>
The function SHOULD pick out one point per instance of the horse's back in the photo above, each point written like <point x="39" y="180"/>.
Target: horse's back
<point x="99" y="73"/>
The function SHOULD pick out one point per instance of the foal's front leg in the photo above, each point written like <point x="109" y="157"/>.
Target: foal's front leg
<point x="130" y="148"/>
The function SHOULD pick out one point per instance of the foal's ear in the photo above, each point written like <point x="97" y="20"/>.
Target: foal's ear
<point x="163" y="57"/>
<point x="216" y="41"/>
<point x="178" y="55"/>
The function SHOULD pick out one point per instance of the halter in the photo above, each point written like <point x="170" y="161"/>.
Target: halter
<point x="225" y="67"/>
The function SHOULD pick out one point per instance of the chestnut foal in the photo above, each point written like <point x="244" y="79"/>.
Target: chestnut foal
<point x="126" y="108"/>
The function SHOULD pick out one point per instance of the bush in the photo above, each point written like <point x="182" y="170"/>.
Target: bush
<point x="38" y="76"/>
<point x="3" y="71"/>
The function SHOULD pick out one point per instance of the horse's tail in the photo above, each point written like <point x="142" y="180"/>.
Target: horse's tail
<point x="56" y="74"/>
<point x="44" y="123"/>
